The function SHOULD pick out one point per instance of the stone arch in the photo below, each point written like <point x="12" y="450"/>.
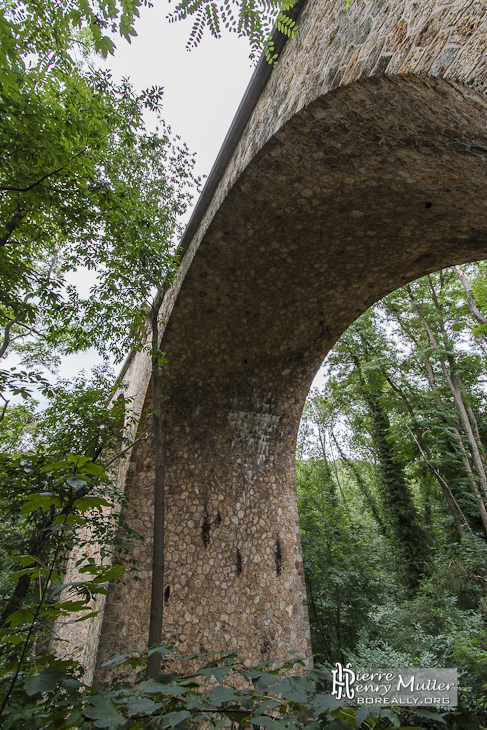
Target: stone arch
<point x="369" y="186"/>
<point x="359" y="164"/>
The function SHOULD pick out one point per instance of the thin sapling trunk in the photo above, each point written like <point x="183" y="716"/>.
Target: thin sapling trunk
<point x="157" y="596"/>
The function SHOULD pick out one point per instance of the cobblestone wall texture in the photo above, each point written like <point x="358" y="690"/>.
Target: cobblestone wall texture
<point x="363" y="167"/>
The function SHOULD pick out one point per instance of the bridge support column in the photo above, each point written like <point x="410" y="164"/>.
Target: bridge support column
<point x="234" y="573"/>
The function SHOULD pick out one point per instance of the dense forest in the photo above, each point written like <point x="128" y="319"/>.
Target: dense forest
<point x="392" y="486"/>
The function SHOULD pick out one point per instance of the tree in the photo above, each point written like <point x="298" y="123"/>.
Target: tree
<point x="431" y="323"/>
<point x="77" y="420"/>
<point x="96" y="191"/>
<point x="339" y="553"/>
<point x="109" y="206"/>
<point x="392" y="424"/>
<point x="355" y="363"/>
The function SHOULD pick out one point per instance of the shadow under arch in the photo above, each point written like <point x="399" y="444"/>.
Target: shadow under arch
<point x="370" y="186"/>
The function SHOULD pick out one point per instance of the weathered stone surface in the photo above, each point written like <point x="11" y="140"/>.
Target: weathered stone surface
<point x="363" y="167"/>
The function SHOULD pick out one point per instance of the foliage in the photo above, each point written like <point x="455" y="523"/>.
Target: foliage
<point x="18" y="424"/>
<point x="65" y="31"/>
<point x="254" y="20"/>
<point x="213" y="692"/>
<point x="55" y="31"/>
<point x="83" y="187"/>
<point x="39" y="690"/>
<point x="108" y="203"/>
<point x="41" y="467"/>
<point x="340" y="558"/>
<point x="401" y="415"/>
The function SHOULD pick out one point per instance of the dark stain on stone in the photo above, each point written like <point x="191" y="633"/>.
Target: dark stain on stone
<point x="239" y="562"/>
<point x="278" y="556"/>
<point x="205" y="531"/>
<point x="265" y="646"/>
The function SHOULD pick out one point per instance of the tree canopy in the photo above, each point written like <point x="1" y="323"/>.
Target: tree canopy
<point x="83" y="187"/>
<point x="390" y="481"/>
<point x="61" y="30"/>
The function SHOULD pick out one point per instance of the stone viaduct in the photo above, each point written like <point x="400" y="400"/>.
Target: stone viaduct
<point x="360" y="165"/>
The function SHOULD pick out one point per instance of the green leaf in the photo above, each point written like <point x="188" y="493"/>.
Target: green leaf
<point x="93" y="469"/>
<point x="430" y="715"/>
<point x="42" y="501"/>
<point x="326" y="702"/>
<point x="339" y="724"/>
<point x="360" y="715"/>
<point x="175" y="718"/>
<point x="45" y="681"/>
<point x="67" y="522"/>
<point x="269" y="722"/>
<point x="76" y="482"/>
<point x="150" y="686"/>
<point x="222" y="695"/>
<point x="103" y="711"/>
<point x="56" y="466"/>
<point x="392" y="716"/>
<point x="141" y="706"/>
<point x="20" y="617"/>
<point x="91" y="502"/>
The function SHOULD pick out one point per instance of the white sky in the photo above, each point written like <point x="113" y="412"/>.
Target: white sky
<point x="202" y="87"/>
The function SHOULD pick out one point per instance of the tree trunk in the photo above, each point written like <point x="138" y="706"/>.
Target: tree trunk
<point x="398" y="508"/>
<point x="474" y="310"/>
<point x="449" y="373"/>
<point x="157" y="595"/>
<point x="425" y="452"/>
<point x="362" y="485"/>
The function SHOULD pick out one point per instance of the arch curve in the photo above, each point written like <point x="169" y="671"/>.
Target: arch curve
<point x="363" y="166"/>
<point x="368" y="187"/>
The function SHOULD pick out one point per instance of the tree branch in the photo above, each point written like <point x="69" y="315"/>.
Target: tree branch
<point x="6" y="335"/>
<point x="10" y="227"/>
<point x="4" y="409"/>
<point x="44" y="177"/>
<point x="144" y="437"/>
<point x="16" y="320"/>
<point x="475" y="311"/>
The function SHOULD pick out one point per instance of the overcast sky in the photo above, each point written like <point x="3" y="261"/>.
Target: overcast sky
<point x="202" y="87"/>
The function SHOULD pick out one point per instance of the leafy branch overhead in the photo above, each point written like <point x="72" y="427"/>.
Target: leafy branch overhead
<point x="253" y="20"/>
<point x="83" y="187"/>
<point x="63" y="31"/>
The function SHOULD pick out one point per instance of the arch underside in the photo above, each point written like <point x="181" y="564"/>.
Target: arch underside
<point x="367" y="188"/>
